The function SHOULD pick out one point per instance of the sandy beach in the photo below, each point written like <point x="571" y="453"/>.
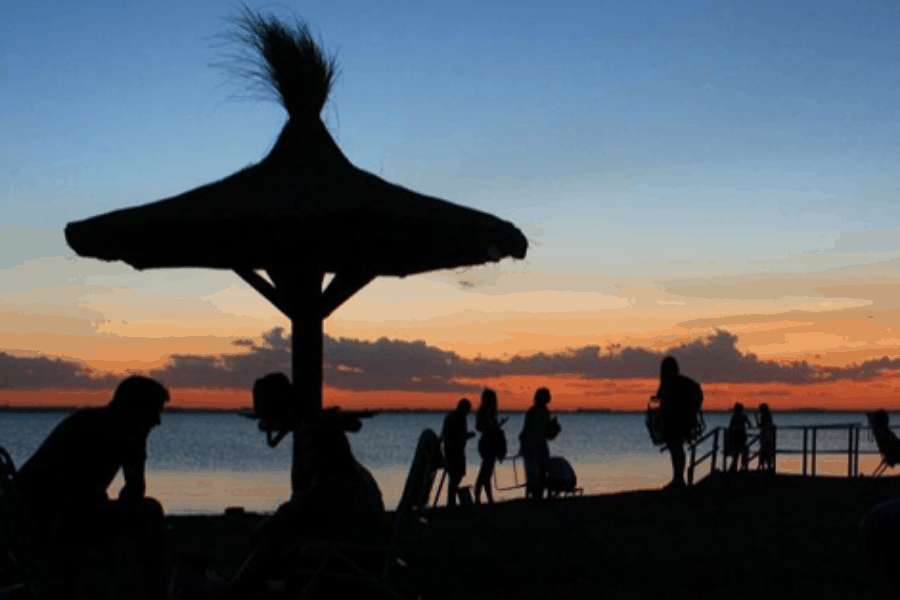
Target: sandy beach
<point x="732" y="537"/>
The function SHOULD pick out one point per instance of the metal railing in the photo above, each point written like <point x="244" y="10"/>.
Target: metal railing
<point x="809" y="451"/>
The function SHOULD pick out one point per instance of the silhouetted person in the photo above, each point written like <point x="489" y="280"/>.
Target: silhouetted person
<point x="736" y="438"/>
<point x="454" y="436"/>
<point x="537" y="429"/>
<point x="678" y="403"/>
<point x="491" y="446"/>
<point x="273" y="403"/>
<point x="342" y="502"/>
<point x="64" y="483"/>
<point x="766" y="425"/>
<point x="281" y="411"/>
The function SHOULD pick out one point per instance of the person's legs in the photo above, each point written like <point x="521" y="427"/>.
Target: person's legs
<point x="484" y="479"/>
<point x="453" y="482"/>
<point x="541" y="471"/>
<point x="531" y="476"/>
<point x="72" y="530"/>
<point x="676" y="453"/>
<point x="146" y="521"/>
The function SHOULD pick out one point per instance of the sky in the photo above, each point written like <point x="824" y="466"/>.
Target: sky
<point x="715" y="180"/>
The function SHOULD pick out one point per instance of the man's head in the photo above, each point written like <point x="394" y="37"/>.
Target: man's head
<point x="542" y="397"/>
<point x="669" y="367"/>
<point x="139" y="401"/>
<point x="464" y="406"/>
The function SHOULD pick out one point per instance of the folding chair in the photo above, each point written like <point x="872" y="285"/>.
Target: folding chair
<point x="888" y="444"/>
<point x="516" y="485"/>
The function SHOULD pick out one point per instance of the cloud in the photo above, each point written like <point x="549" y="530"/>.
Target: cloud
<point x="42" y="372"/>
<point x="387" y="364"/>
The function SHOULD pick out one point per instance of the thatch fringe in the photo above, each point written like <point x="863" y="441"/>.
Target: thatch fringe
<point x="285" y="60"/>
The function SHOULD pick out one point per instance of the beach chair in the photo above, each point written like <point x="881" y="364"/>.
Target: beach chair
<point x="516" y="485"/>
<point x="373" y="569"/>
<point x="888" y="444"/>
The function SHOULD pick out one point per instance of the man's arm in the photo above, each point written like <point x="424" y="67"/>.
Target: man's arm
<point x="135" y="484"/>
<point x="134" y="459"/>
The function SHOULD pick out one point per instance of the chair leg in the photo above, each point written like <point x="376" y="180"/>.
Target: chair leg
<point x="437" y="496"/>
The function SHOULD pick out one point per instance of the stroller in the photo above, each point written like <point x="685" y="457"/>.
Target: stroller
<point x="560" y="479"/>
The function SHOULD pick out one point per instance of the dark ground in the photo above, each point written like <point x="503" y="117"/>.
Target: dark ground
<point x="728" y="537"/>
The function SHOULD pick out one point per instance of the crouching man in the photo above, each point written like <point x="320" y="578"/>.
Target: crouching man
<point x="65" y="483"/>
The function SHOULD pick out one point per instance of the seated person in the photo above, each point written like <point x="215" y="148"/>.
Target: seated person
<point x="341" y="503"/>
<point x="64" y="483"/>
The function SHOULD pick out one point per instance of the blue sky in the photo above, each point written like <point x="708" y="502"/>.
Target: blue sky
<point x="629" y="140"/>
<point x="714" y="107"/>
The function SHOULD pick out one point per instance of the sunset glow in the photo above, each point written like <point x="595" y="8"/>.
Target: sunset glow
<point x="516" y="393"/>
<point x="731" y="199"/>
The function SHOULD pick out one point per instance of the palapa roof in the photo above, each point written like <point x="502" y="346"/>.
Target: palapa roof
<point x="304" y="203"/>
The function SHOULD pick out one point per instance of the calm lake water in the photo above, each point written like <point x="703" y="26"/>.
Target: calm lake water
<point x="206" y="462"/>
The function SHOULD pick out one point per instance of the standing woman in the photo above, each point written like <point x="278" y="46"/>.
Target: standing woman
<point x="679" y="398"/>
<point x="491" y="446"/>
<point x="766" y="425"/>
<point x="736" y="438"/>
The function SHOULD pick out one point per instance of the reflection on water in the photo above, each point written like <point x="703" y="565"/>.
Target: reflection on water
<point x="206" y="462"/>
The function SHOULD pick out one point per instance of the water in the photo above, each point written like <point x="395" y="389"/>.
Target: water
<point x="206" y="462"/>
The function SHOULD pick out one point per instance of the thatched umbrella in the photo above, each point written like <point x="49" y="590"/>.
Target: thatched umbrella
<point x="301" y="212"/>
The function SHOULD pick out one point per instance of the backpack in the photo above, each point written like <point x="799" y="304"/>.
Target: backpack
<point x="553" y="428"/>
<point x="493" y="443"/>
<point x="696" y="421"/>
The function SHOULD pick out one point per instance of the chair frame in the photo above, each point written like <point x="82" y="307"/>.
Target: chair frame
<point x="888" y="445"/>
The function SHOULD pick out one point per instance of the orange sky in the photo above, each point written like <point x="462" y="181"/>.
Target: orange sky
<point x="569" y="393"/>
<point x="831" y="309"/>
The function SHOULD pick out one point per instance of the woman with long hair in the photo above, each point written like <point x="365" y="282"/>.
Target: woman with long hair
<point x="491" y="446"/>
<point x="766" y="425"/>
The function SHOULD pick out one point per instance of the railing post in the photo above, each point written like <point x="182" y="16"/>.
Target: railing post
<point x="715" y="449"/>
<point x="693" y="462"/>
<point x="775" y="452"/>
<point x="849" y="451"/>
<point x="858" y="431"/>
<point x="804" y="450"/>
<point x="815" y="431"/>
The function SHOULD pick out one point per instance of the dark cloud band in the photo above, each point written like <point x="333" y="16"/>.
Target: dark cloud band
<point x="387" y="364"/>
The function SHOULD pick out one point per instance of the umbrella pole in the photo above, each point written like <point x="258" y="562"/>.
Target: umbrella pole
<point x="302" y="289"/>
